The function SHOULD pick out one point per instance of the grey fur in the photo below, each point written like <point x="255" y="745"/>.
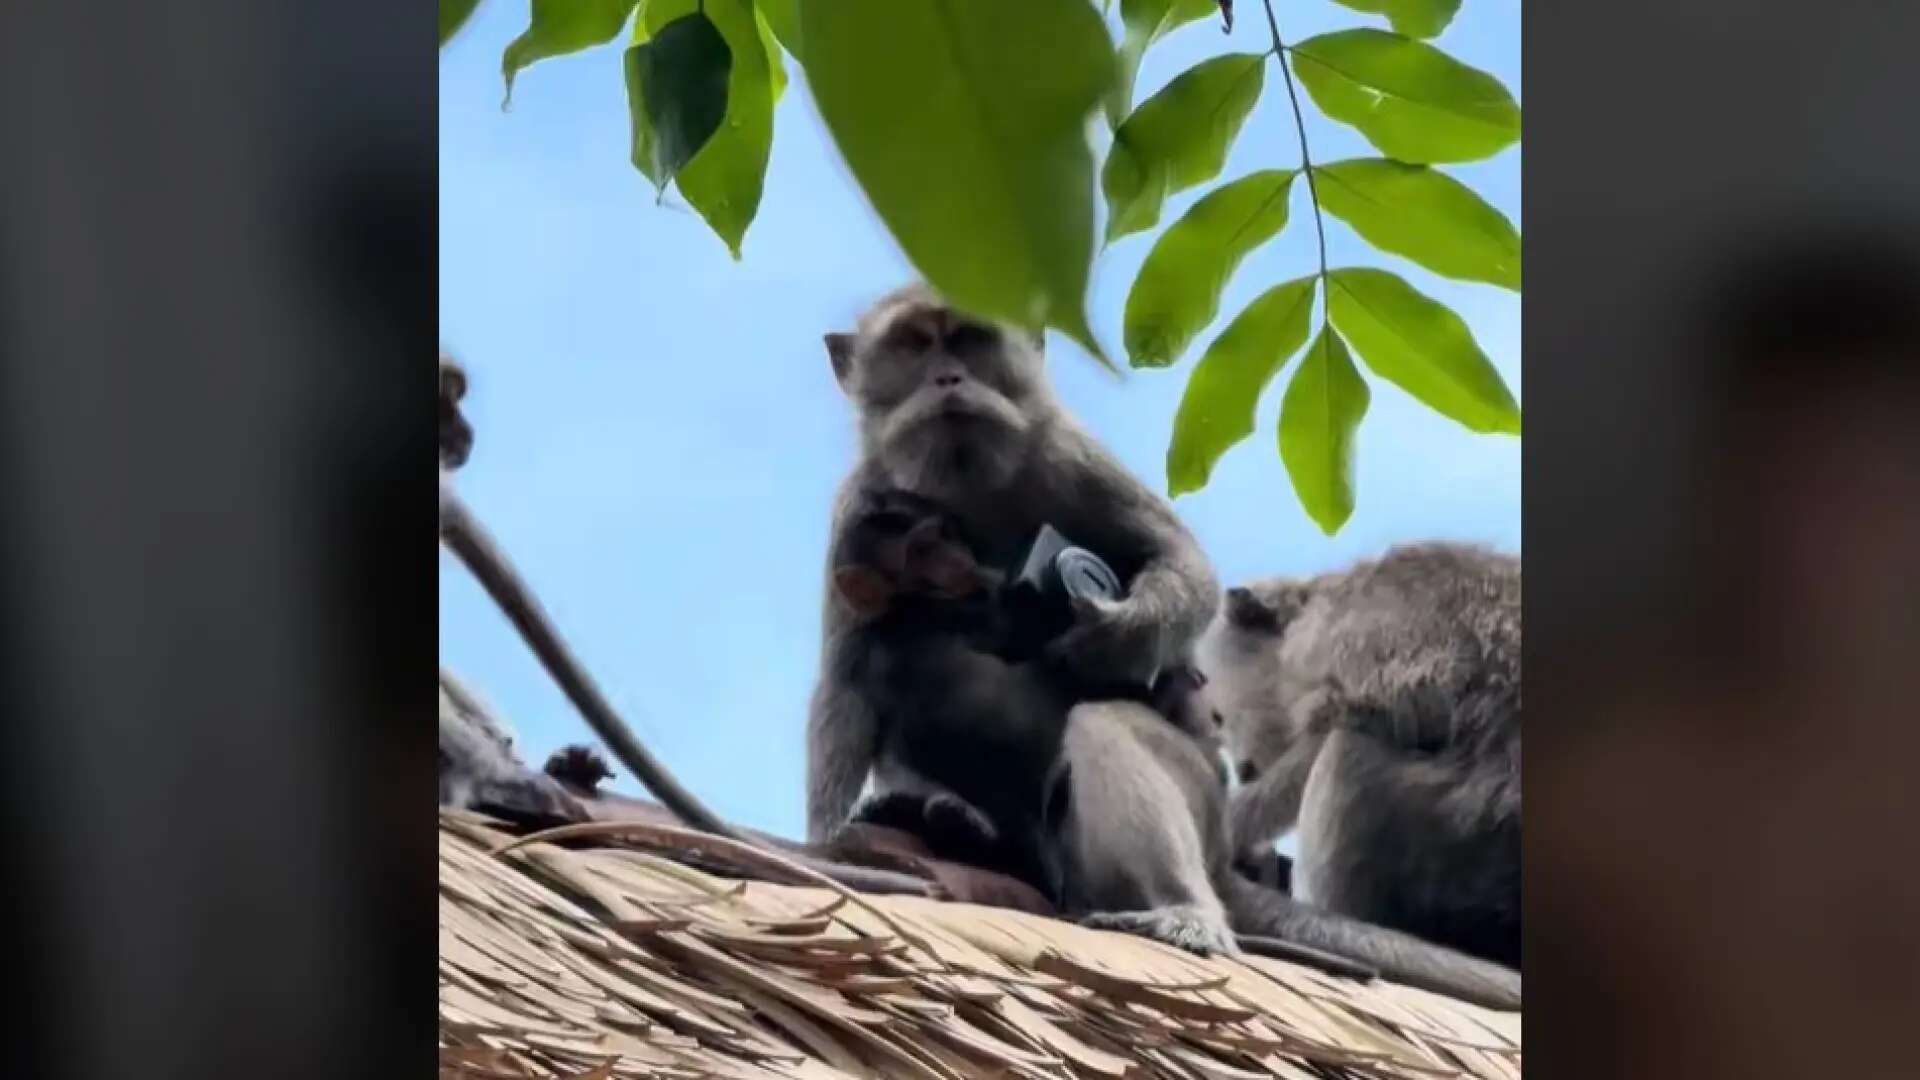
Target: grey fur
<point x="1145" y="850"/>
<point x="974" y="424"/>
<point x="1380" y="710"/>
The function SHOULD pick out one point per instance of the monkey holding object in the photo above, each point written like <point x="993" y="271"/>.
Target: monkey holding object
<point x="959" y="410"/>
<point x="1378" y="710"/>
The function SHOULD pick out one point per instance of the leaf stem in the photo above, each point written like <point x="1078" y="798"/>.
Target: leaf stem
<point x="1280" y="50"/>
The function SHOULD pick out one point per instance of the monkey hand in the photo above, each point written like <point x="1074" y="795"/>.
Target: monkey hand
<point x="1111" y="641"/>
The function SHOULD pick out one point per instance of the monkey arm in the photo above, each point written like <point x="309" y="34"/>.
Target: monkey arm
<point x="1172" y="593"/>
<point x="843" y="739"/>
<point x="1269" y="806"/>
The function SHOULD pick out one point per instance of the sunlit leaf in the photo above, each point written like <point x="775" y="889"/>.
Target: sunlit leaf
<point x="1419" y="345"/>
<point x="1146" y="22"/>
<point x="676" y="94"/>
<point x="1414" y="18"/>
<point x="453" y="15"/>
<point x="1178" y="291"/>
<point x="559" y="27"/>
<point x="1177" y="138"/>
<point x="1412" y="101"/>
<point x="723" y="180"/>
<point x="965" y="123"/>
<point x="1423" y="215"/>
<point x="1217" y="408"/>
<point x="783" y="17"/>
<point x="1318" y="417"/>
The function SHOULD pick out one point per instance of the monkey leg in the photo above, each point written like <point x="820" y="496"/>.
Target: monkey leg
<point x="1429" y="845"/>
<point x="1131" y="850"/>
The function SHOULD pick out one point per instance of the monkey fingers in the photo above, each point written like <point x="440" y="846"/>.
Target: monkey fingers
<point x="1183" y="926"/>
<point x="1110" y="642"/>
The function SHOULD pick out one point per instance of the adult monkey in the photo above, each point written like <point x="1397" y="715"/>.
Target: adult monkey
<point x="958" y="410"/>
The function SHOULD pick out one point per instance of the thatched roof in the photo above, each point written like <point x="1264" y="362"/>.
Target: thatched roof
<point x="601" y="959"/>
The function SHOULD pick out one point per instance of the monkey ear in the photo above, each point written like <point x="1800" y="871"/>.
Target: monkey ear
<point x="1251" y="611"/>
<point x="864" y="590"/>
<point x="840" y="351"/>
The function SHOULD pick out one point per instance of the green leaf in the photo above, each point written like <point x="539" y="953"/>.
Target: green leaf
<point x="559" y="27"/>
<point x="723" y="181"/>
<point x="1414" y="18"/>
<point x="676" y="94"/>
<point x="1417" y="344"/>
<point x="1147" y="21"/>
<point x="965" y="123"/>
<point x="1412" y="101"/>
<point x="783" y="17"/>
<point x="453" y="15"/>
<point x="1318" y="418"/>
<point x="1423" y="215"/>
<point x="1217" y="409"/>
<point x="1178" y="291"/>
<point x="1177" y="138"/>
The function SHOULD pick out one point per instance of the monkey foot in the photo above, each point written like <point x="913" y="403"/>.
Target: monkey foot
<point x="1182" y="926"/>
<point x="951" y="826"/>
<point x="898" y="810"/>
<point x="957" y="826"/>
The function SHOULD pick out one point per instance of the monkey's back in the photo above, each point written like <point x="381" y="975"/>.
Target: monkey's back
<point x="1428" y="634"/>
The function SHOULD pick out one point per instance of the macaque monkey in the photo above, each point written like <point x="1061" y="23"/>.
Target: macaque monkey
<point x="959" y="410"/>
<point x="1378" y="711"/>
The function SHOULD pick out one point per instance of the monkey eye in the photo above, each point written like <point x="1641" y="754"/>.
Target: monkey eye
<point x="909" y="337"/>
<point x="969" y="338"/>
<point x="890" y="522"/>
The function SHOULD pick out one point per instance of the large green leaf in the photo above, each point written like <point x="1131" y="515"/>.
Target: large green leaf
<point x="1318" y="418"/>
<point x="559" y="27"/>
<point x="1414" y="18"/>
<point x="1217" y="408"/>
<point x="676" y="94"/>
<point x="1178" y="291"/>
<point x="1423" y="215"/>
<point x="1417" y="344"/>
<point x="1177" y="138"/>
<point x="965" y="123"/>
<point x="723" y="180"/>
<point x="1147" y="21"/>
<point x="783" y="18"/>
<point x="453" y="15"/>
<point x="1411" y="100"/>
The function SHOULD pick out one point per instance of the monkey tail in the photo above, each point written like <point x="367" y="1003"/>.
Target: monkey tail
<point x="462" y="532"/>
<point x="1402" y="958"/>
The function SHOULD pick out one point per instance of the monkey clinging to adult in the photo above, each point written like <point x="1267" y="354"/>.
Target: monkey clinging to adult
<point x="1378" y="710"/>
<point x="968" y="737"/>
<point x="959" y="410"/>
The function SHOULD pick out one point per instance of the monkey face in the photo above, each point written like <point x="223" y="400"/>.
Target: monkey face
<point x="946" y="400"/>
<point x="900" y="546"/>
<point x="1265" y="608"/>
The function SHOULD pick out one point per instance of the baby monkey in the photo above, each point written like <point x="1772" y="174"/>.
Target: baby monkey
<point x="972" y="716"/>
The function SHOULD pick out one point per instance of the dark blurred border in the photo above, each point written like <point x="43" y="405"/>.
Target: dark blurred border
<point x="217" y="307"/>
<point x="1722" y="539"/>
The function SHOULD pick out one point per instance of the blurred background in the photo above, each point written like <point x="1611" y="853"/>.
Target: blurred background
<point x="216" y="302"/>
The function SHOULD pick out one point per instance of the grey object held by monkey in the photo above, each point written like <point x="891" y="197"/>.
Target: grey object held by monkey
<point x="1378" y="710"/>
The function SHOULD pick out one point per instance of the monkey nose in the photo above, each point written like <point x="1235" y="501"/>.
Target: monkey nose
<point x="947" y="380"/>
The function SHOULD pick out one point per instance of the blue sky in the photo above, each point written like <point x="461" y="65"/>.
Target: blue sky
<point x="658" y="431"/>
